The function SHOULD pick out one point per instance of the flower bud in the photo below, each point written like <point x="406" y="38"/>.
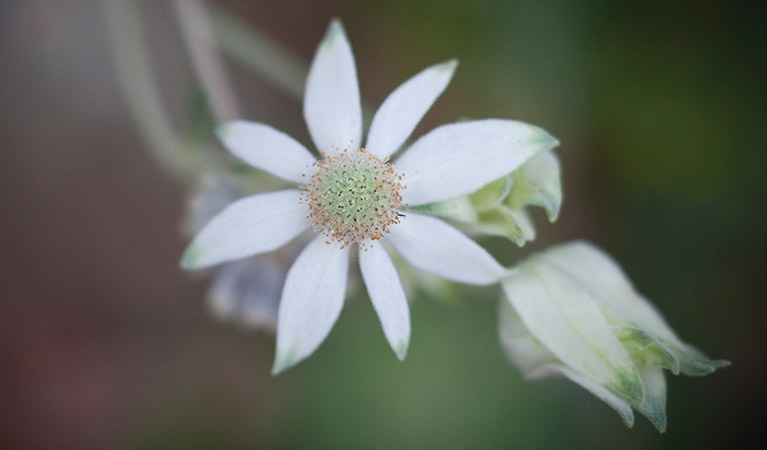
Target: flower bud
<point x="500" y="208"/>
<point x="572" y="311"/>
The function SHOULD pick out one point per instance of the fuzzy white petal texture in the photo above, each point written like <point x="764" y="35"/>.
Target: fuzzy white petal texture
<point x="434" y="246"/>
<point x="332" y="106"/>
<point x="536" y="361"/>
<point x="460" y="158"/>
<point x="520" y="346"/>
<point x="403" y="109"/>
<point x="266" y="148"/>
<point x="653" y="404"/>
<point x="249" y="226"/>
<point x="311" y="301"/>
<point x="609" y="286"/>
<point x="564" y="317"/>
<point x="387" y="296"/>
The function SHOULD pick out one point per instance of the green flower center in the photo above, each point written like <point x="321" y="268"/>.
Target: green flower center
<point x="353" y="197"/>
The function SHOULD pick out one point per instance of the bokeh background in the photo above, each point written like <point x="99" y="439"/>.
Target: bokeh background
<point x="105" y="343"/>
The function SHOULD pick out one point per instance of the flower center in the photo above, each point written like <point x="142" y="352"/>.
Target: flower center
<point x="353" y="197"/>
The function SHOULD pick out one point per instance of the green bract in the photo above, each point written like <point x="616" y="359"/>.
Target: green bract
<point x="500" y="208"/>
<point x="575" y="313"/>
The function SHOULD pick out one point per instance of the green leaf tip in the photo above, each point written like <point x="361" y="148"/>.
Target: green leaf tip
<point x="400" y="349"/>
<point x="335" y="29"/>
<point x="545" y="140"/>
<point x="224" y="130"/>
<point x="284" y="360"/>
<point x="448" y="66"/>
<point x="645" y="349"/>
<point x="191" y="258"/>
<point x="627" y="384"/>
<point x="692" y="362"/>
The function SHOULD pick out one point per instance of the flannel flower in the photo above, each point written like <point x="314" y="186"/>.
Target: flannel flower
<point x="353" y="196"/>
<point x="572" y="311"/>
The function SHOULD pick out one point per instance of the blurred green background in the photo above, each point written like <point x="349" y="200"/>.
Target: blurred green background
<point x="661" y="112"/>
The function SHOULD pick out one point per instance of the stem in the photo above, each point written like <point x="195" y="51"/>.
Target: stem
<point x="141" y="93"/>
<point x="266" y="57"/>
<point x="257" y="52"/>
<point x="197" y="34"/>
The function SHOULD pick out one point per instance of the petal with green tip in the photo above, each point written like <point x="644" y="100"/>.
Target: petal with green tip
<point x="693" y="362"/>
<point x="311" y="301"/>
<point x="387" y="296"/>
<point x="332" y="107"/>
<point x="405" y="106"/>
<point x="535" y="361"/>
<point x="610" y="286"/>
<point x="538" y="182"/>
<point x="564" y="317"/>
<point x="653" y="405"/>
<point x="461" y="158"/>
<point x="645" y="349"/>
<point x="249" y="226"/>
<point x="616" y="402"/>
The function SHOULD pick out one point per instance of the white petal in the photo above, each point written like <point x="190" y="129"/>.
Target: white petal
<point x="536" y="361"/>
<point x="520" y="346"/>
<point x="605" y="280"/>
<point x="332" y="101"/>
<point x="570" y="324"/>
<point x="653" y="404"/>
<point x="267" y="149"/>
<point x="387" y="295"/>
<point x="609" y="285"/>
<point x="311" y="301"/>
<point x="404" y="108"/>
<point x="252" y="225"/>
<point x="460" y="158"/>
<point x="434" y="246"/>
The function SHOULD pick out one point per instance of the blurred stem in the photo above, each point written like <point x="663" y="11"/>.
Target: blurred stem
<point x="205" y="28"/>
<point x="261" y="54"/>
<point x="257" y="52"/>
<point x="141" y="93"/>
<point x="198" y="36"/>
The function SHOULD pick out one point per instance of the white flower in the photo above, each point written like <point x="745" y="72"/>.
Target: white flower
<point x="573" y="312"/>
<point x="353" y="195"/>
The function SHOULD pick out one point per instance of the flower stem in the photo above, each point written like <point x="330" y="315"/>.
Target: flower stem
<point x="254" y="50"/>
<point x="197" y="33"/>
<point x="141" y="94"/>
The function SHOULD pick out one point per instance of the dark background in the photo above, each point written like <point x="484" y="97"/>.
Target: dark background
<point x="105" y="343"/>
